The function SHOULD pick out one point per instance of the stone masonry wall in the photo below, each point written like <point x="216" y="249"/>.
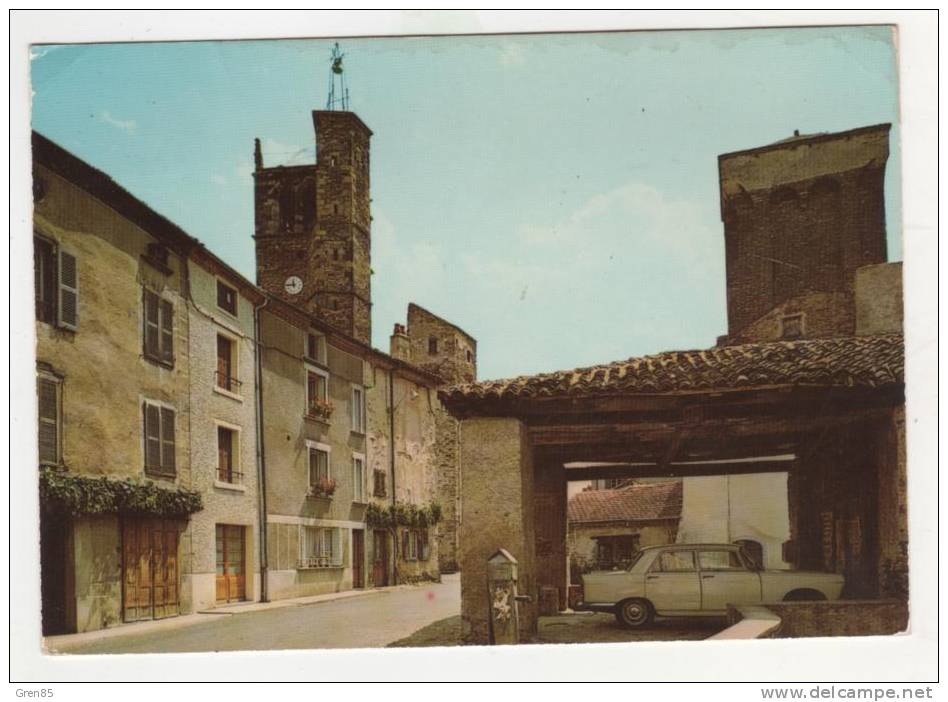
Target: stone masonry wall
<point x="234" y="503"/>
<point x="801" y="217"/>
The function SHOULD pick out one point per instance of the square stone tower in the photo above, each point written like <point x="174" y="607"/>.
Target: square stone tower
<point x="800" y="216"/>
<point x="313" y="223"/>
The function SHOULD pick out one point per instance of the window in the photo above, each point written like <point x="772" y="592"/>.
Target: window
<point x="432" y="345"/>
<point x="358" y="410"/>
<point x="159" y="439"/>
<point x="158" y="332"/>
<point x="358" y="478"/>
<point x="378" y="483"/>
<point x="470" y="356"/>
<point x="56" y="280"/>
<point x="409" y="545"/>
<point x="791" y="326"/>
<point x="321" y="483"/>
<point x="317" y="387"/>
<point x="675" y="562"/>
<point x="227" y="461"/>
<point x="753" y="550"/>
<point x="226" y="364"/>
<point x="49" y="400"/>
<point x="226" y="298"/>
<point x="315" y="349"/>
<point x="320" y="547"/>
<point x="720" y="560"/>
<point x="424" y="547"/>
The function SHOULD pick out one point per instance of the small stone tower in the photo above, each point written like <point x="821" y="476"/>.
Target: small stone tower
<point x="800" y="216"/>
<point x="441" y="347"/>
<point x="313" y="223"/>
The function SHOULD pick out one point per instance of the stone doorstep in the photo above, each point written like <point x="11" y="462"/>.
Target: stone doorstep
<point x="757" y="621"/>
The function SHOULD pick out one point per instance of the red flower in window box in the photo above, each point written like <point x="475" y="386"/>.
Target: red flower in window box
<point x="320" y="409"/>
<point x="324" y="487"/>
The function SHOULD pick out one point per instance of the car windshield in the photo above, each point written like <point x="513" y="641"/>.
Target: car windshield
<point x="636" y="557"/>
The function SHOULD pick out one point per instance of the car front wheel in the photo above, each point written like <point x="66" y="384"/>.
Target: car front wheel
<point x="634" y="613"/>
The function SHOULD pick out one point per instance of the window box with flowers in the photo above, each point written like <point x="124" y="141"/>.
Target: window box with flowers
<point x="320" y="410"/>
<point x="323" y="488"/>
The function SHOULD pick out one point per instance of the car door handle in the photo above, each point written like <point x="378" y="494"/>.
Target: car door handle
<point x="705" y="577"/>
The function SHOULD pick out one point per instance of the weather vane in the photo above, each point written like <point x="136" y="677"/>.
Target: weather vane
<point x="336" y="73"/>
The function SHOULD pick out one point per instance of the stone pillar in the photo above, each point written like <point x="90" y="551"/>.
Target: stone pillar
<point x="496" y="512"/>
<point x="550" y="513"/>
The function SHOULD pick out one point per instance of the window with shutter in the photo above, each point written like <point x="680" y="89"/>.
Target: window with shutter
<point x="167" y="331"/>
<point x="45" y="279"/>
<point x="48" y="395"/>
<point x="68" y="291"/>
<point x="358" y="478"/>
<point x="158" y="328"/>
<point x="167" y="441"/>
<point x="225" y="455"/>
<point x="159" y="439"/>
<point x="358" y="410"/>
<point x="152" y="418"/>
<point x="226" y="364"/>
<point x="336" y="556"/>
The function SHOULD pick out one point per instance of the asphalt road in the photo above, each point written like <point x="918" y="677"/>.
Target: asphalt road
<point x="372" y="620"/>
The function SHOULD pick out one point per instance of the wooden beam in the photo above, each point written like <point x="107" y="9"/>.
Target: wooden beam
<point x="677" y="470"/>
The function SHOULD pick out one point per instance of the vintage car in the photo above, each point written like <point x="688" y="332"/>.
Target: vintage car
<point x="697" y="580"/>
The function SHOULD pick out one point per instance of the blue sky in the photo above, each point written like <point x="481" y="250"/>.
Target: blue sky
<point x="553" y="195"/>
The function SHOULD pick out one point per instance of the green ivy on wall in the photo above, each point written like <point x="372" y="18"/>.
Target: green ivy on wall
<point x="77" y="495"/>
<point x="402" y="514"/>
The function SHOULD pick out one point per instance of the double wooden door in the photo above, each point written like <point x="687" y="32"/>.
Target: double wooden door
<point x="231" y="563"/>
<point x="149" y="569"/>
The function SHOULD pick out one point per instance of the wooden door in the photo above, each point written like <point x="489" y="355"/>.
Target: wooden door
<point x="358" y="558"/>
<point x="150" y="569"/>
<point x="380" y="558"/>
<point x="231" y="572"/>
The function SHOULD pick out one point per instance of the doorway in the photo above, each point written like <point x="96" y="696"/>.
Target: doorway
<point x="380" y="558"/>
<point x="54" y="536"/>
<point x="358" y="558"/>
<point x="150" y="569"/>
<point x="231" y="571"/>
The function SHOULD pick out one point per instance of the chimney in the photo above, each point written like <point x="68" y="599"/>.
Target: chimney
<point x="257" y="155"/>
<point x="400" y="346"/>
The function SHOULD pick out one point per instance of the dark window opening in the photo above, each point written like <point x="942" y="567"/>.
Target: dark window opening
<point x="226" y="365"/>
<point x="226" y="446"/>
<point x="226" y="298"/>
<point x="432" y="345"/>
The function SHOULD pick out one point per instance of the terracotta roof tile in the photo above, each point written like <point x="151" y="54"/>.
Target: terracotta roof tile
<point x="642" y="502"/>
<point x="853" y="361"/>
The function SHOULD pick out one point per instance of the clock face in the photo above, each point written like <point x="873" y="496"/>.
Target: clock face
<point x="293" y="285"/>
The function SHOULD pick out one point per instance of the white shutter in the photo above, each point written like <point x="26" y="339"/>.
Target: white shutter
<point x="68" y="307"/>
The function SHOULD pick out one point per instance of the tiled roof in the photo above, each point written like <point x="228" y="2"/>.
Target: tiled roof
<point x="636" y="503"/>
<point x="853" y="361"/>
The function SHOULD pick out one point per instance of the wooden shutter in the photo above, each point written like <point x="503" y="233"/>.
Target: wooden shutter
<point x="150" y="308"/>
<point x="167" y="331"/>
<point x="68" y="291"/>
<point x="48" y="391"/>
<point x="152" y="418"/>
<point x="223" y="362"/>
<point x="167" y="440"/>
<point x="224" y="454"/>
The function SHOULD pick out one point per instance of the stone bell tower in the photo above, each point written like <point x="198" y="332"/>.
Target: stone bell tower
<point x="312" y="224"/>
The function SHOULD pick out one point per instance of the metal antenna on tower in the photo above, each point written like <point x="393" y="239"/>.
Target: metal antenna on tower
<point x="336" y="73"/>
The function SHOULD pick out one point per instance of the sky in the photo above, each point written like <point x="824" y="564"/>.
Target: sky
<point x="556" y="196"/>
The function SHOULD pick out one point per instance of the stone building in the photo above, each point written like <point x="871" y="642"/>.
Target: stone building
<point x="811" y="369"/>
<point x="225" y="535"/>
<point x="606" y="528"/>
<point x="122" y="364"/>
<point x="330" y="407"/>
<point x="339" y="416"/>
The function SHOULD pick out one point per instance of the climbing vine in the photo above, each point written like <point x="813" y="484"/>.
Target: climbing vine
<point x="77" y="494"/>
<point x="403" y="514"/>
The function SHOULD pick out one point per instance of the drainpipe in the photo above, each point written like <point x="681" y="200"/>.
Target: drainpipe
<point x="261" y="454"/>
<point x="391" y="446"/>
